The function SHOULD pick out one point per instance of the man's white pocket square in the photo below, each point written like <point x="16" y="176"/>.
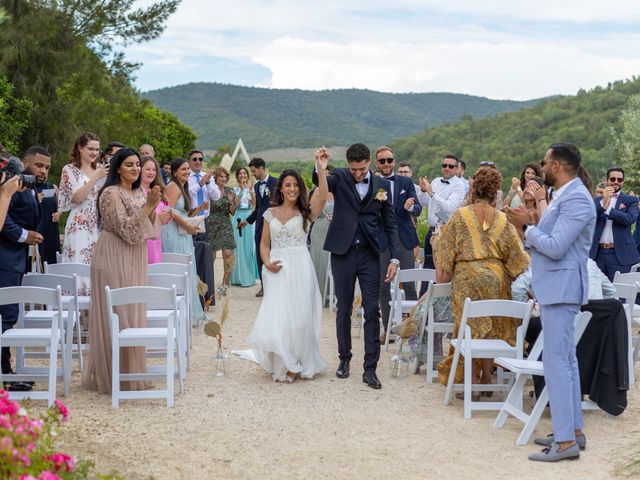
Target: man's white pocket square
<point x="403" y="191"/>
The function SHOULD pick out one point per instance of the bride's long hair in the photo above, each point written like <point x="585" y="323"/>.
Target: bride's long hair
<point x="302" y="203"/>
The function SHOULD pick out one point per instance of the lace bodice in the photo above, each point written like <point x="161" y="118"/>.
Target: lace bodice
<point x="287" y="235"/>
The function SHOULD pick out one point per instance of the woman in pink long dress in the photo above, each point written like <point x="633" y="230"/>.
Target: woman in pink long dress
<point x="149" y="178"/>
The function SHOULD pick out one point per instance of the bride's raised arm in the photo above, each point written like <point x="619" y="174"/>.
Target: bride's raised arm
<point x="319" y="197"/>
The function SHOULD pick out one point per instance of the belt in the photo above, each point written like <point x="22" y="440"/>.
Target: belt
<point x="607" y="246"/>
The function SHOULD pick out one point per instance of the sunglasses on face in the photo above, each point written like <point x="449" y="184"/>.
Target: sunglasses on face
<point x="616" y="179"/>
<point x="197" y="159"/>
<point x="382" y="161"/>
<point x="449" y="165"/>
<point x="487" y="164"/>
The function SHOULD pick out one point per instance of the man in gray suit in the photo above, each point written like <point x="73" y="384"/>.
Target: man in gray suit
<point x="559" y="247"/>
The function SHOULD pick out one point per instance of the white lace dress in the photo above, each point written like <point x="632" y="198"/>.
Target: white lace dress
<point x="286" y="335"/>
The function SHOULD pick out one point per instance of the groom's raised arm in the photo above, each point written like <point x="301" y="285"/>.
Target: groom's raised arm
<point x="332" y="180"/>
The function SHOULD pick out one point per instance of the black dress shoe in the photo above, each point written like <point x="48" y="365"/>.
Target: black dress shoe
<point x="17" y="386"/>
<point x="371" y="379"/>
<point x="343" y="369"/>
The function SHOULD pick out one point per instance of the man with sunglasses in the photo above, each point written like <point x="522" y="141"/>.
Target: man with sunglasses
<point x="405" y="206"/>
<point x="613" y="247"/>
<point x="443" y="196"/>
<point x="201" y="188"/>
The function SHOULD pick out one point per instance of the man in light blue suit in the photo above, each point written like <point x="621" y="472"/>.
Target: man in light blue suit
<point x="559" y="247"/>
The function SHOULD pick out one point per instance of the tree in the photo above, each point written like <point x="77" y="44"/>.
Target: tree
<point x="627" y="142"/>
<point x="14" y="116"/>
<point x="63" y="56"/>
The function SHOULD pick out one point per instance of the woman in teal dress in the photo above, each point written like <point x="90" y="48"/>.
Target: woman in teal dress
<point x="172" y="240"/>
<point x="245" y="271"/>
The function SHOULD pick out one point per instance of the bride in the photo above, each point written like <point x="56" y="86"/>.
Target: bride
<point x="285" y="339"/>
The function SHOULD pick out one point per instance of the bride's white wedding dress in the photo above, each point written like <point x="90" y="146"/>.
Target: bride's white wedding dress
<point x="286" y="335"/>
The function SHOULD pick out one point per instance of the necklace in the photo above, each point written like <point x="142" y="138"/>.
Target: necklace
<point x="483" y="204"/>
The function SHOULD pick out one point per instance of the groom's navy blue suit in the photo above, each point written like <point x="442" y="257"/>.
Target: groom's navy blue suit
<point x="352" y="240"/>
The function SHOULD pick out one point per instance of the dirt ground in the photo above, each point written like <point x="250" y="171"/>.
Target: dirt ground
<point x="244" y="425"/>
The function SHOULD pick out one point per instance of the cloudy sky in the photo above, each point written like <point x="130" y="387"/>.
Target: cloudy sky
<point x="512" y="49"/>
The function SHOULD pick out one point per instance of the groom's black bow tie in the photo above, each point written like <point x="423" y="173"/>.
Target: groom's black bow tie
<point x="261" y="182"/>
<point x="445" y="181"/>
<point x="365" y="181"/>
<point x="392" y="178"/>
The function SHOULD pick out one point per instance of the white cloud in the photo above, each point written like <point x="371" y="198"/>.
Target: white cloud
<point x="506" y="70"/>
<point x="495" y="48"/>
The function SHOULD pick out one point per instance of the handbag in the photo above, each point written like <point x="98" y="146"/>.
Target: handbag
<point x="193" y="221"/>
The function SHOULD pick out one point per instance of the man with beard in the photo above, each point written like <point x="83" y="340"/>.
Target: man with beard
<point x="613" y="247"/>
<point x="37" y="160"/>
<point x="559" y="248"/>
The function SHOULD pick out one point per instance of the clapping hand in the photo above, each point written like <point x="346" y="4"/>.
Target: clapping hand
<point x="322" y="158"/>
<point x="166" y="216"/>
<point x="231" y="195"/>
<point x="518" y="216"/>
<point x="515" y="183"/>
<point x="153" y="197"/>
<point x="538" y="192"/>
<point x="425" y="186"/>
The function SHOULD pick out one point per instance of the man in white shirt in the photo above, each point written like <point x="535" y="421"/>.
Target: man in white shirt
<point x="443" y="196"/>
<point x="201" y="188"/>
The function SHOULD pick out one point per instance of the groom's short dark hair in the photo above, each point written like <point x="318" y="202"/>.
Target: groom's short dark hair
<point x="567" y="154"/>
<point x="358" y="152"/>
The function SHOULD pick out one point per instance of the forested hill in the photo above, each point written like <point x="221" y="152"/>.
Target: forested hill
<point x="269" y="118"/>
<point x="513" y="139"/>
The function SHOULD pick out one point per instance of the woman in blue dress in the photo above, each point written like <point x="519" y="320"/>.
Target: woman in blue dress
<point x="172" y="240"/>
<point x="245" y="271"/>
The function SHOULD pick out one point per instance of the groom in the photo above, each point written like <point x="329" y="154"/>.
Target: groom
<point x="362" y="207"/>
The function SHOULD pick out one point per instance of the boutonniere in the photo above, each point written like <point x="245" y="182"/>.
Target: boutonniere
<point x="267" y="192"/>
<point x="622" y="205"/>
<point x="381" y="196"/>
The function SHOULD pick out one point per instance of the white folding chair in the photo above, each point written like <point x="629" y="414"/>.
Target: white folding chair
<point x="160" y="337"/>
<point x="82" y="272"/>
<point x="627" y="294"/>
<point x="329" y="288"/>
<point x="158" y="317"/>
<point x="397" y="302"/>
<point x="177" y="258"/>
<point x="634" y="268"/>
<point x="471" y="348"/>
<point x="50" y="337"/>
<point x="430" y="327"/>
<point x="59" y="257"/>
<point x="178" y="269"/>
<point x="70" y="311"/>
<point x="632" y="279"/>
<point x="524" y="369"/>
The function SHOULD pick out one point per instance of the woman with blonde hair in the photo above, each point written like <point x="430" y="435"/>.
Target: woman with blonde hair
<point x="219" y="229"/>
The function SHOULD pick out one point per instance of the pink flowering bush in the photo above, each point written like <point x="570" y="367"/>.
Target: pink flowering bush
<point x="27" y="445"/>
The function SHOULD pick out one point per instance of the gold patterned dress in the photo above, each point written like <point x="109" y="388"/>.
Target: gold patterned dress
<point x="483" y="263"/>
<point x="119" y="260"/>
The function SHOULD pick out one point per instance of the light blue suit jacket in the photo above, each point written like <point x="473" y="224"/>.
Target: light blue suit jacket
<point x="559" y="248"/>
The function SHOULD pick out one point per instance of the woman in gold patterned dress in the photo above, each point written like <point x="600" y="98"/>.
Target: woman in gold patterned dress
<point x="480" y="253"/>
<point x="119" y="260"/>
